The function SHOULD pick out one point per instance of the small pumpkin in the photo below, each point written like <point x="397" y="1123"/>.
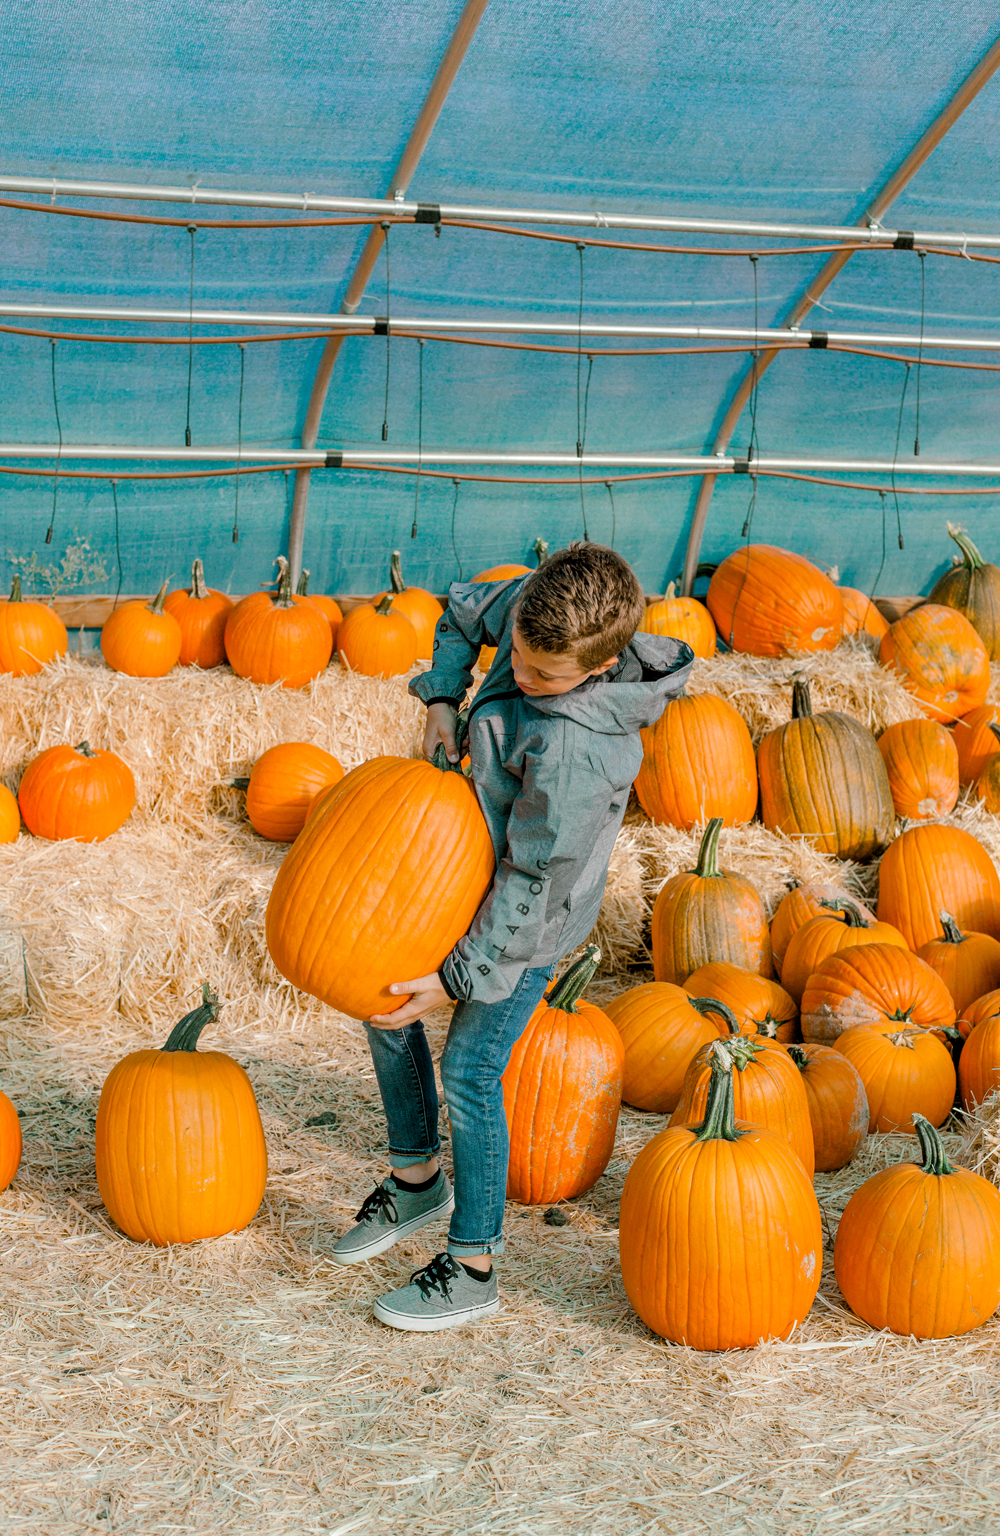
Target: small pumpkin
<point x="179" y="1144"/>
<point x="921" y="762"/>
<point x="904" y="1074"/>
<point x="698" y="762"/>
<point x="770" y="602"/>
<point x="421" y="607"/>
<point x="487" y="654"/>
<point x="682" y="618"/>
<point x="822" y="778"/>
<point x="10" y="1141"/>
<point x="842" y="926"/>
<point x="72" y="792"/>
<point x="377" y="641"/>
<point x="975" y="741"/>
<point x="861" y="617"/>
<point x="708" y="913"/>
<point x="940" y="660"/>
<point x="967" y="963"/>
<point x="31" y="634"/>
<point x="972" y="588"/>
<point x="988" y="783"/>
<point x="979" y="1060"/>
<point x="142" y="639"/>
<point x="278" y="637"/>
<point x="283" y="783"/>
<point x="802" y="902"/>
<point x="985" y="1007"/>
<point x="201" y="612"/>
<point x="661" y="1028"/>
<point x="10" y="816"/>
<point x="877" y="986"/>
<point x="328" y="606"/>
<point x="562" y="1092"/>
<point x="916" y="1248"/>
<point x="933" y="869"/>
<point x="719" y="1229"/>
<point x="760" y="1006"/>
<point x="838" y="1108"/>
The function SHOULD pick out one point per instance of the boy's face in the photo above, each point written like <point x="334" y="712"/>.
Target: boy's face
<point x="538" y="672"/>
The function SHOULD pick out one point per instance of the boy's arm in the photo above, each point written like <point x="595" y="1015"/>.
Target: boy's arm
<point x="475" y="616"/>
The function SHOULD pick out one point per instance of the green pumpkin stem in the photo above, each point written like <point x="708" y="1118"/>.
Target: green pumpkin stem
<point x="302" y="590"/>
<point x="719" y="1123"/>
<point x="198" y="587"/>
<point x="798" y="1055"/>
<point x="156" y="606"/>
<point x="440" y="758"/>
<point x="971" y="558"/>
<point x="15" y="590"/>
<point x="573" y="983"/>
<point x="541" y="549"/>
<point x="801" y="700"/>
<point x="239" y="783"/>
<point x="83" y="747"/>
<point x="935" y="1159"/>
<point x="995" y="729"/>
<point x="707" y="867"/>
<point x="671" y="592"/>
<point x="853" y="915"/>
<point x="282" y="598"/>
<point x="707" y="1005"/>
<point x="185" y="1033"/>
<point x="386" y="604"/>
<point x="952" y="932"/>
<point x="396" y="573"/>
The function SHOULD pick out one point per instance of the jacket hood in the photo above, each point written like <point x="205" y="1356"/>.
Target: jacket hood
<point x="630" y="696"/>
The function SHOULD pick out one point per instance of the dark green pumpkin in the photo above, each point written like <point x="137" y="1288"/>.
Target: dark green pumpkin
<point x="972" y="588"/>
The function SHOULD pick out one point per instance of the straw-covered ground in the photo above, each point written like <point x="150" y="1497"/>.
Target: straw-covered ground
<point x="240" y="1385"/>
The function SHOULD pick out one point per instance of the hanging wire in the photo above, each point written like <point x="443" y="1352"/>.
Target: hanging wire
<point x="581" y="411"/>
<point x="614" y="521"/>
<point x="754" y="446"/>
<point x="582" y="444"/>
<point x="118" y="546"/>
<point x="288" y="494"/>
<point x="895" y="455"/>
<point x="192" y="231"/>
<point x="920" y="348"/>
<point x="55" y="481"/>
<point x="878" y="573"/>
<point x="239" y="448"/>
<point x="388" y="339"/>
<point x="454" y="513"/>
<point x="420" y="435"/>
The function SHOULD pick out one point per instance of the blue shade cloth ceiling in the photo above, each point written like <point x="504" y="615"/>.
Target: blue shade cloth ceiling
<point x="789" y="111"/>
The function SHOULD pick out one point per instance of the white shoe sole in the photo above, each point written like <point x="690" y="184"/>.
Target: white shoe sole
<point x="411" y="1324"/>
<point x="392" y="1235"/>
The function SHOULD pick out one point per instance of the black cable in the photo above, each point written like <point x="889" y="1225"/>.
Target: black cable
<point x="920" y="349"/>
<point x="454" y="511"/>
<point x="118" y="547"/>
<point x="754" y="443"/>
<point x="388" y="338"/>
<point x="420" y="435"/>
<point x="895" y="455"/>
<point x="192" y="231"/>
<point x="582" y="444"/>
<point x="239" y="448"/>
<point x="611" y="492"/>
<point x="55" y="481"/>
<point x="878" y="574"/>
<point x="579" y="351"/>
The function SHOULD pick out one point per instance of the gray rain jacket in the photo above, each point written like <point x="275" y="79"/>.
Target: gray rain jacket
<point x="552" y="774"/>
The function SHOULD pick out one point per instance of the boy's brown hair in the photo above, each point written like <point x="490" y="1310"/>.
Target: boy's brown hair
<point x="585" y="601"/>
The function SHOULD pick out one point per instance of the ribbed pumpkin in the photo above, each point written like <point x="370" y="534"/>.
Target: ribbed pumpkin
<point x="985" y="1007"/>
<point x="934" y="869"/>
<point x="861" y="617"/>
<point x="31" y="634"/>
<point x="421" y="607"/>
<point x="921" y="762"/>
<point x="377" y="642"/>
<point x="487" y="654"/>
<point x="972" y="588"/>
<point x="562" y="1092"/>
<point x="916" y="1248"/>
<point x="877" y="986"/>
<point x="842" y="927"/>
<point x="979" y="1061"/>
<point x="769" y="602"/>
<point x="381" y="884"/>
<point x="904" y="1074"/>
<point x="759" y="1006"/>
<point x="10" y="816"/>
<point x="940" y="660"/>
<point x="201" y="613"/>
<point x="180" y="1147"/>
<point x="328" y="606"/>
<point x="278" y="637"/>
<point x="975" y="742"/>
<point x="719" y="1229"/>
<point x="967" y="963"/>
<point x="802" y="902"/>
<point x="822" y="778"/>
<point x="10" y="1141"/>
<point x="661" y="1028"/>
<point x="708" y="913"/>
<point x="142" y="639"/>
<point x="838" y="1108"/>
<point x="682" y="618"/>
<point x="697" y="763"/>
<point x="988" y="783"/>
<point x="282" y="786"/>
<point x="72" y="792"/>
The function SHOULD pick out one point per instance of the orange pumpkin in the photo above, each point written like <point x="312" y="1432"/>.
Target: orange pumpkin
<point x="708" y="913"/>
<point x="682" y="618"/>
<point x="985" y="1007"/>
<point x="697" y="763"/>
<point x="10" y="1141"/>
<point x="940" y="660"/>
<point x="10" y="816"/>
<point x="975" y="742"/>
<point x="916" y="1248"/>
<point x="760" y="1006"/>
<point x="904" y="1074"/>
<point x="979" y="1061"/>
<point x="487" y="654"/>
<point x="988" y="783"/>
<point x="31" y="634"/>
<point x="769" y="602"/>
<point x="377" y="642"/>
<point x="72" y="792"/>
<point x="661" y="1029"/>
<point x="278" y="637"/>
<point x="967" y="963"/>
<point x="381" y="884"/>
<point x="201" y="613"/>
<point x="142" y="639"/>
<point x="972" y="587"/>
<point x="801" y="903"/>
<point x="843" y="927"/>
<point x="179" y="1143"/>
<point x="328" y="606"/>
<point x="861" y="617"/>
<point x="877" y="986"/>
<point x="921" y="762"/>
<point x="838" y="1108"/>
<point x="562" y="1092"/>
<point x="283" y="784"/>
<point x="934" y="869"/>
<point x="421" y="608"/>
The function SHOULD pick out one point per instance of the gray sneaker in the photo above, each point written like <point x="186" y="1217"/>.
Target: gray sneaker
<point x="440" y="1295"/>
<point x="390" y="1213"/>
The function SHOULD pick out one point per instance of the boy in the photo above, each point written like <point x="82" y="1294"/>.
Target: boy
<point x="554" y="743"/>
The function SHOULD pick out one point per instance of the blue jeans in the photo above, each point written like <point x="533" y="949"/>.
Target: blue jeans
<point x="480" y="1040"/>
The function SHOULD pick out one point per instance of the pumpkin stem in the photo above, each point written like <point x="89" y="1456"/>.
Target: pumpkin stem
<point x="198" y="587"/>
<point x="768" y="1027"/>
<point x="932" y="1147"/>
<point x="396" y="573"/>
<point x="15" y="590"/>
<point x="706" y="1005"/>
<point x="852" y="914"/>
<point x="995" y="729"/>
<point x="952" y="933"/>
<point x="904" y="1038"/>
<point x="971" y="558"/>
<point x="719" y="1123"/>
<point x="184" y="1035"/>
<point x="156" y="606"/>
<point x="541" y="549"/>
<point x="801" y="700"/>
<point x="671" y="592"/>
<point x="239" y="783"/>
<point x="83" y="747"/>
<point x="440" y="758"/>
<point x="302" y="590"/>
<point x="799" y="1056"/>
<point x="570" y="987"/>
<point x="707" y="866"/>
<point x="386" y="604"/>
<point x="282" y="598"/>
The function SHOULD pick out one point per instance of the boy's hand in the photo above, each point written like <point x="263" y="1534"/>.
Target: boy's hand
<point x="427" y="993"/>
<point x="440" y="730"/>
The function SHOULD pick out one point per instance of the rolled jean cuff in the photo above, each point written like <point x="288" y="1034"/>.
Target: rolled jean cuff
<point x="471" y="1250"/>
<point x="411" y="1159"/>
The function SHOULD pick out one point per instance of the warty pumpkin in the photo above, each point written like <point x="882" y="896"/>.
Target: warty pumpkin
<point x="934" y="869"/>
<point x="988" y="783"/>
<point x="562" y="1092"/>
<point x="972" y="588"/>
<point x="799" y="904"/>
<point x="381" y="883"/>
<point x="698" y="762"/>
<point x="282" y="786"/>
<point x="708" y="913"/>
<point x="822" y="778"/>
<point x="921" y="762"/>
<point x="661" y="1027"/>
<point x="487" y="654"/>
<point x="842" y="927"/>
<point x="278" y="637"/>
<point x="759" y="1006"/>
<point x="142" y="639"/>
<point x="10" y="816"/>
<point x="377" y="641"/>
<point x="940" y="660"/>
<point x="985" y="1007"/>
<point x="72" y="792"/>
<point x="878" y="986"/>
<point x="10" y="1141"/>
<point x="838" y="1108"/>
<point x="201" y="612"/>
<point x="682" y="618"/>
<point x="916" y="1248"/>
<point x="975" y="741"/>
<point x="979" y="1060"/>
<point x="904" y="1074"/>
<point x="328" y="606"/>
<point x="416" y="604"/>
<point x="719" y="1229"/>
<point x="31" y="634"/>
<point x="861" y="617"/>
<point x="770" y="602"/>
<point x="179" y="1143"/>
<point x="967" y="963"/>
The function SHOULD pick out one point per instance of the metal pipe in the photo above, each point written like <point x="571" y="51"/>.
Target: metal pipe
<point x="924" y="147"/>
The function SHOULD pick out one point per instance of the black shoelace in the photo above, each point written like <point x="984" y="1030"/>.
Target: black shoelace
<point x="380" y="1201"/>
<point x="435" y="1276"/>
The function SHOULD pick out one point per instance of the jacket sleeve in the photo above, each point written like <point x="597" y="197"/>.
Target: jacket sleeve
<point x="476" y="615"/>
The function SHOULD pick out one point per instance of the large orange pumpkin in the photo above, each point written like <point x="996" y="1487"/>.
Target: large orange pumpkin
<point x="988" y="783"/>
<point x="328" y="606"/>
<point x="922" y="765"/>
<point x="760" y="1006"/>
<point x="975" y="741"/>
<point x="698" y="763"/>
<point x="719" y="1229"/>
<point x="10" y="1141"/>
<point x="822" y="778"/>
<point x="201" y="613"/>
<point x="180" y="1147"/>
<point x="934" y="869"/>
<point x="708" y="913"/>
<point x="661" y="1028"/>
<point x="861" y="617"/>
<point x="278" y="637"/>
<point x="487" y="654"/>
<point x="842" y="927"/>
<point x="31" y="634"/>
<point x="904" y="1074"/>
<point x="967" y="963"/>
<point x="769" y="602"/>
<point x="972" y="588"/>
<point x="916" y="1248"/>
<point x="979" y="1061"/>
<point x="381" y="883"/>
<point x="682" y="618"/>
<point x="802" y="902"/>
<point x="940" y="660"/>
<point x="838" y="1108"/>
<point x="877" y="986"/>
<point x="418" y="605"/>
<point x="10" y="816"/>
<point x="377" y="642"/>
<point x="142" y="639"/>
<point x="72" y="792"/>
<point x="562" y="1092"/>
<point x="282" y="786"/>
<point x="985" y="1007"/>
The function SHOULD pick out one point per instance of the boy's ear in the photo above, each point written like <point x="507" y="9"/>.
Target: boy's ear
<point x="604" y="667"/>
